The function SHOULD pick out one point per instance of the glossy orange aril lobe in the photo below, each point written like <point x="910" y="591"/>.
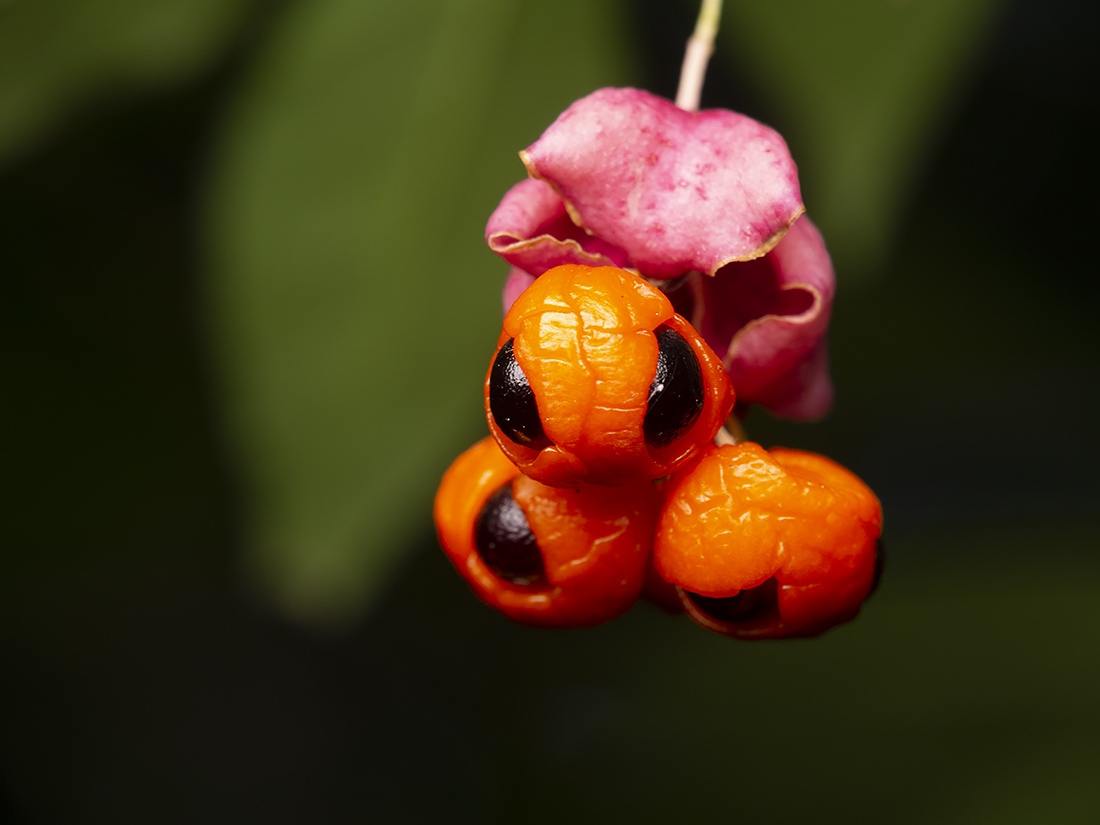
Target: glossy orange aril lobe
<point x="742" y="518"/>
<point x="589" y="343"/>
<point x="592" y="543"/>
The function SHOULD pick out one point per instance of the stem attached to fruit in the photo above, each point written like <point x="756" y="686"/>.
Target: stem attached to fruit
<point x="732" y="433"/>
<point x="700" y="47"/>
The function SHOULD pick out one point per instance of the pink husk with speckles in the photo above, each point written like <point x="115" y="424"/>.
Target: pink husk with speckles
<point x="625" y="178"/>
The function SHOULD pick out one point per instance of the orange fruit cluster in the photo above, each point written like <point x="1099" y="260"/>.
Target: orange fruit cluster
<point x="602" y="481"/>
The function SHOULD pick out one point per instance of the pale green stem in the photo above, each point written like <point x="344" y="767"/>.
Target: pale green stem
<point x="700" y="47"/>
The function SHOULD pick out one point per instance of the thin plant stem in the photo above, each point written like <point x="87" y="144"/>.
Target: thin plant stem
<point x="731" y="434"/>
<point x="700" y="47"/>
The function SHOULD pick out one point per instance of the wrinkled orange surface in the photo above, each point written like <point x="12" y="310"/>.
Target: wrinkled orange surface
<point x="742" y="515"/>
<point x="595" y="541"/>
<point x="584" y="339"/>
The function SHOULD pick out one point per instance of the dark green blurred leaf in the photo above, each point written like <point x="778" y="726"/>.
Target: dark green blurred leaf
<point x="56" y="54"/>
<point x="357" y="304"/>
<point x="862" y="88"/>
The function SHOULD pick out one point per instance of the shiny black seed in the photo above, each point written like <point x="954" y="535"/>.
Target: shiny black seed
<point x="676" y="394"/>
<point x="504" y="540"/>
<point x="747" y="605"/>
<point x="512" y="401"/>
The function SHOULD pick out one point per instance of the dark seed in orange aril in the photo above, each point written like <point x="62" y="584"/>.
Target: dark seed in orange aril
<point x="504" y="540"/>
<point x="512" y="401"/>
<point x="751" y="603"/>
<point x="676" y="394"/>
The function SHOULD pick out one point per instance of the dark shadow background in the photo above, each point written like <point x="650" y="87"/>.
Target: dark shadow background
<point x="142" y="682"/>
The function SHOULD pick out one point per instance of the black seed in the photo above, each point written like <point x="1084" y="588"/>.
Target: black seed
<point x="504" y="540"/>
<point x="748" y="604"/>
<point x="512" y="401"/>
<point x="676" y="394"/>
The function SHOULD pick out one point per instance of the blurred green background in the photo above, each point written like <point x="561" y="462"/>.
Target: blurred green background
<point x="247" y="308"/>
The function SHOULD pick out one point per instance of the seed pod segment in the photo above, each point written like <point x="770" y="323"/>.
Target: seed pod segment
<point x="594" y="542"/>
<point x="596" y="380"/>
<point x="768" y="544"/>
